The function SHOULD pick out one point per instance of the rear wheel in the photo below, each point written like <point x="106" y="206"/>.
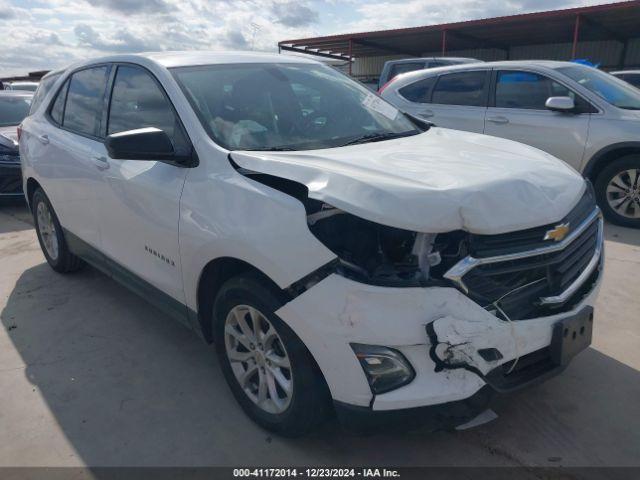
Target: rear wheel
<point x="269" y="370"/>
<point x="618" y="191"/>
<point x="52" y="241"/>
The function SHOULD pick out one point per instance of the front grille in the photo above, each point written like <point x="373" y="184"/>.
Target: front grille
<point x="513" y="288"/>
<point x="532" y="238"/>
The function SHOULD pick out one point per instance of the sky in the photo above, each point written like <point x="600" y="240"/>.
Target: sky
<point x="49" y="34"/>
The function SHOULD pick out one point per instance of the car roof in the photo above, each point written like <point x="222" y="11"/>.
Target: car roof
<point x="619" y="72"/>
<point x="413" y="59"/>
<point x="195" y="58"/>
<point x="535" y="64"/>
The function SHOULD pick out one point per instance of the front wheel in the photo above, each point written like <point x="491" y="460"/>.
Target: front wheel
<point x="269" y="370"/>
<point x="618" y="191"/>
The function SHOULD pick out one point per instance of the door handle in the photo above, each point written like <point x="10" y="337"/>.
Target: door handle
<point x="101" y="163"/>
<point x="44" y="139"/>
<point x="498" y="120"/>
<point x="427" y="114"/>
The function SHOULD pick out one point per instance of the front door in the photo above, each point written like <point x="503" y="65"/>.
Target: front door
<point x="139" y="200"/>
<point x="518" y="113"/>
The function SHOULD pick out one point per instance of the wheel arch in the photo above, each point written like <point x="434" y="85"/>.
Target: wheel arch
<point x="213" y="276"/>
<point x="600" y="160"/>
<point x="32" y="186"/>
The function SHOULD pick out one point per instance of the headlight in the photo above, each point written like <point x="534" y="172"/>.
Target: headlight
<point x="374" y="253"/>
<point x="385" y="368"/>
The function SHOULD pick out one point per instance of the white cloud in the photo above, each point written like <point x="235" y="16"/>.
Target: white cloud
<point x="47" y="34"/>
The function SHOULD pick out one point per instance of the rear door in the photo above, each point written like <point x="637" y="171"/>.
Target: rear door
<point x="64" y="154"/>
<point x="518" y="112"/>
<point x="139" y="200"/>
<point x="459" y="100"/>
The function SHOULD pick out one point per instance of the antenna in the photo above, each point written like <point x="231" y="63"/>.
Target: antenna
<point x="255" y="27"/>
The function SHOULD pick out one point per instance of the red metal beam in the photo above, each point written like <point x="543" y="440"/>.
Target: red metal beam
<point x="576" y="33"/>
<point x="444" y="41"/>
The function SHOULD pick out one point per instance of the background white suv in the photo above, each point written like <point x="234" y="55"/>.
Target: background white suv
<point x="579" y="114"/>
<point x="331" y="248"/>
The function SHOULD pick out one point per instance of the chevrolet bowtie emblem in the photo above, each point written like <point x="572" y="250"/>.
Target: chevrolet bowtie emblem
<point x="557" y="233"/>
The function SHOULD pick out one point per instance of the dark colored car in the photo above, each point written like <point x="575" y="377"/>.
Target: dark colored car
<point x="393" y="68"/>
<point x="14" y="107"/>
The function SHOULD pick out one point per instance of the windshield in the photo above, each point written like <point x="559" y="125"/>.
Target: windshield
<point x="13" y="109"/>
<point x="287" y="107"/>
<point x="611" y="89"/>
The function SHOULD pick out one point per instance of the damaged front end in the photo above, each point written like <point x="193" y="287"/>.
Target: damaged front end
<point x="449" y="312"/>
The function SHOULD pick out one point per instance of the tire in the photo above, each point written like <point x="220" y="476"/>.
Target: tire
<point x="52" y="241"/>
<point x="608" y="200"/>
<point x="308" y="402"/>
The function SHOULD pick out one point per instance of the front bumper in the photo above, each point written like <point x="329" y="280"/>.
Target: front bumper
<point x="10" y="179"/>
<point x="439" y="330"/>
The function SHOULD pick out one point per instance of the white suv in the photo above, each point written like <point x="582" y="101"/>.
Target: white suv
<point x="337" y="252"/>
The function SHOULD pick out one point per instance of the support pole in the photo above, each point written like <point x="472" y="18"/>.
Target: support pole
<point x="444" y="42"/>
<point x="350" y="57"/>
<point x="576" y="31"/>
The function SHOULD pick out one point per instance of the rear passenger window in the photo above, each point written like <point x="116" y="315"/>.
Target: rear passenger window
<point x="138" y="102"/>
<point x="464" y="88"/>
<point x="420" y="91"/>
<point x="85" y="101"/>
<point x="57" y="110"/>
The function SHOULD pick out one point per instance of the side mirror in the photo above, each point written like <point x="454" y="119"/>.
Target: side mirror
<point x="142" y="144"/>
<point x="560" y="104"/>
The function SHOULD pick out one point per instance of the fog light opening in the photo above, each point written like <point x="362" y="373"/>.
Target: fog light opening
<point x="386" y="369"/>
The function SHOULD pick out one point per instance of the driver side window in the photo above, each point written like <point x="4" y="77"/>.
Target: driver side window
<point x="138" y="102"/>
<point x="528" y="90"/>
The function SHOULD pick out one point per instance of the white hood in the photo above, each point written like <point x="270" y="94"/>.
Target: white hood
<point x="439" y="181"/>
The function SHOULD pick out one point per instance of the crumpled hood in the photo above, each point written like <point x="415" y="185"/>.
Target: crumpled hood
<point x="438" y="181"/>
<point x="9" y="137"/>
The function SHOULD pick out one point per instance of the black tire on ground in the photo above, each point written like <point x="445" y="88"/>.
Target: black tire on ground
<point x="628" y="162"/>
<point x="310" y="400"/>
<point x="65" y="262"/>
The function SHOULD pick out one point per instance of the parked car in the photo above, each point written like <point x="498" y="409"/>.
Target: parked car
<point x="393" y="68"/>
<point x="336" y="251"/>
<point x="14" y="106"/>
<point x="629" y="76"/>
<point x="28" y="86"/>
<point x="577" y="113"/>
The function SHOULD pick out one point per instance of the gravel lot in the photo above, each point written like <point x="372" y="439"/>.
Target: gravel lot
<point x="90" y="374"/>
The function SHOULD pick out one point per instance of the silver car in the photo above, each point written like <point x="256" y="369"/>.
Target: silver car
<point x="629" y="76"/>
<point x="586" y="117"/>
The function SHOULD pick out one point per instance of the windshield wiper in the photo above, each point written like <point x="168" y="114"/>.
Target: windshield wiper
<point x="377" y="137"/>
<point x="270" y="149"/>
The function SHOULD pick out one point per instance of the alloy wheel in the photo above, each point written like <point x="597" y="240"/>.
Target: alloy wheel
<point x="623" y="193"/>
<point x="47" y="229"/>
<point x="258" y="359"/>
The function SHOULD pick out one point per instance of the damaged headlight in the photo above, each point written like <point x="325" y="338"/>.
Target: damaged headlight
<point x="375" y="253"/>
<point x="385" y="368"/>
